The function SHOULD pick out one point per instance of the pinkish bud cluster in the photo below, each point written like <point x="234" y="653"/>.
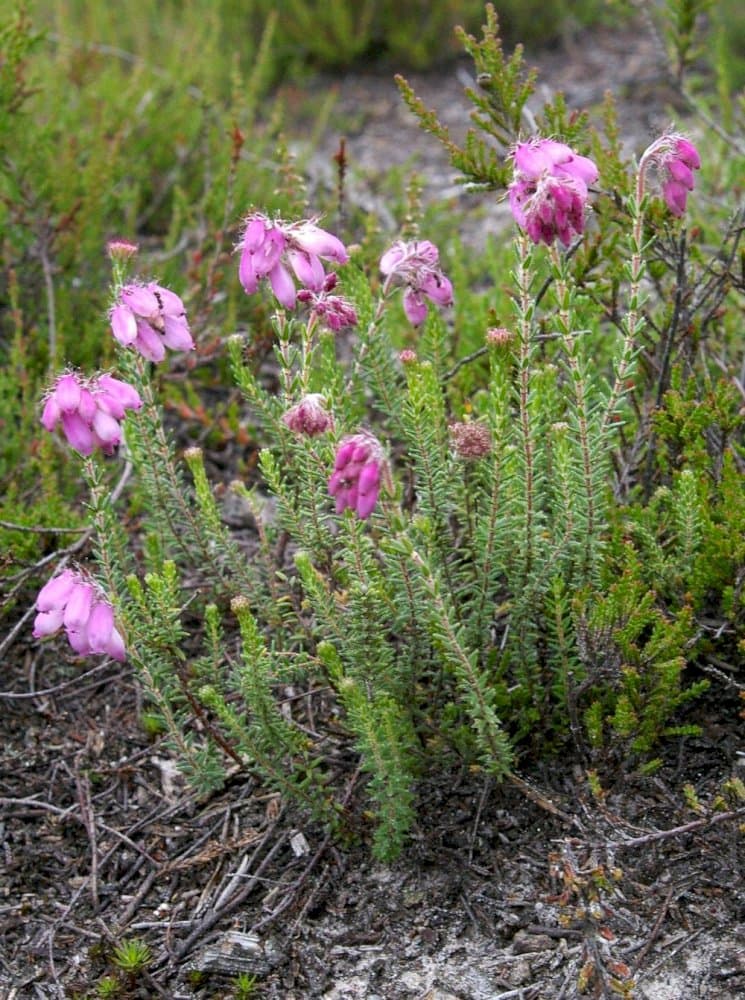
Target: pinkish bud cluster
<point x="274" y="249"/>
<point x="359" y="468"/>
<point x="333" y="311"/>
<point x="309" y="417"/>
<point x="89" y="410"/>
<point x="675" y="157"/>
<point x="150" y="318"/>
<point x="470" y="440"/>
<point x="416" y="265"/>
<point x="549" y="191"/>
<point x="498" y="336"/>
<point x="75" y="603"/>
<point x="121" y="250"/>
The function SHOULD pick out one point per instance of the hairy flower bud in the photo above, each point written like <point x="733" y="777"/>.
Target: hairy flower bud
<point x="470" y="440"/>
<point x="309" y="416"/>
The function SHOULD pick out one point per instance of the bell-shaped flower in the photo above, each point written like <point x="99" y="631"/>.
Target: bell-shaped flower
<point x="275" y="250"/>
<point x="416" y="265"/>
<point x="150" y="318"/>
<point x="360" y="467"/>
<point x="89" y="410"/>
<point x="549" y="190"/>
<point x="72" y="601"/>
<point x="675" y="158"/>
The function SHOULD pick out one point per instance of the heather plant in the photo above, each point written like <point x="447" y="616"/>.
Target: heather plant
<point x="441" y="581"/>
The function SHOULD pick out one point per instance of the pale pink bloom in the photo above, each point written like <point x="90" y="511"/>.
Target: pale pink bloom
<point x="150" y="318"/>
<point x="675" y="157"/>
<point x="359" y="468"/>
<point x="333" y="311"/>
<point x="309" y="417"/>
<point x="75" y="603"/>
<point x="549" y="190"/>
<point x="276" y="250"/>
<point x="89" y="410"/>
<point x="416" y="265"/>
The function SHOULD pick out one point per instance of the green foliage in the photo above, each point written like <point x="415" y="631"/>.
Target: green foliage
<point x="132" y="956"/>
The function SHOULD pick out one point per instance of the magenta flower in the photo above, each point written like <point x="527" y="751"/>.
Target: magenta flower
<point x="675" y="157"/>
<point x="274" y="249"/>
<point x="150" y="318"/>
<point x="89" y="410"/>
<point x="416" y="264"/>
<point x="309" y="417"/>
<point x="359" y="468"/>
<point x="333" y="311"/>
<point x="549" y="191"/>
<point x="73" y="602"/>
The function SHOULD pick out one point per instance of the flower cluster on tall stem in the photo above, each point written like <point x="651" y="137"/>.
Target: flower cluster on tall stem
<point x="276" y="250"/>
<point x="89" y="411"/>
<point x="150" y="318"/>
<point x="416" y="265"/>
<point x="72" y="601"/>
<point x="549" y="190"/>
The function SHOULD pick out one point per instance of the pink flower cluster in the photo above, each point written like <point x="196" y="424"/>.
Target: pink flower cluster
<point x="309" y="417"/>
<point x="90" y="411"/>
<point x="333" y="311"/>
<point x="416" y="264"/>
<point x="358" y="470"/>
<point x="549" y="191"/>
<point x="150" y="318"/>
<point x="71" y="601"/>
<point x="274" y="249"/>
<point x="676" y="158"/>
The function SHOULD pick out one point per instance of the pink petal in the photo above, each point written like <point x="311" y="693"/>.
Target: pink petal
<point x="177" y="335"/>
<point x="51" y="413"/>
<point x="87" y="406"/>
<point x="78" y="639"/>
<point x="67" y="393"/>
<point x="141" y="299"/>
<point x="115" y="646"/>
<point x="123" y="324"/>
<point x="171" y="303"/>
<point x="116" y="396"/>
<point x="78" y="607"/>
<point x="55" y="592"/>
<point x="392" y="258"/>
<point x="78" y="433"/>
<point x="366" y="503"/>
<point x="414" y="307"/>
<point x="100" y="625"/>
<point x="308" y="268"/>
<point x="282" y="285"/>
<point x="369" y="478"/>
<point x="688" y="153"/>
<point x="47" y="623"/>
<point x="317" y="241"/>
<point x="107" y="428"/>
<point x="149" y="342"/>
